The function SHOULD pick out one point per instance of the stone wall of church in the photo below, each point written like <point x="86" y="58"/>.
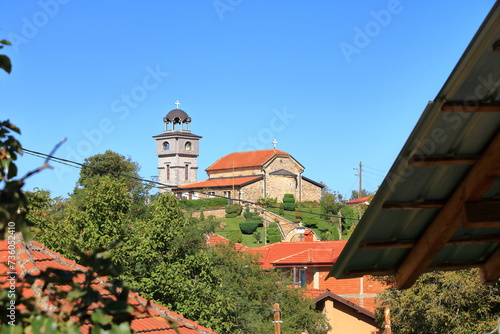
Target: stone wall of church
<point x="279" y="185"/>
<point x="286" y="163"/>
<point x="253" y="191"/>
<point x="235" y="173"/>
<point x="310" y="192"/>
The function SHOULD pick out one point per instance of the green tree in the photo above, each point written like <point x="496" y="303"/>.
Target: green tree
<point x="116" y="166"/>
<point x="46" y="215"/>
<point x="444" y="302"/>
<point x="331" y="203"/>
<point x="355" y="194"/>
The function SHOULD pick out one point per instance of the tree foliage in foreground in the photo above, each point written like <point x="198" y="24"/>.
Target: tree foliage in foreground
<point x="444" y="302"/>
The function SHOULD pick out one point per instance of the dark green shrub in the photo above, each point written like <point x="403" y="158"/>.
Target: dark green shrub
<point x="234" y="208"/>
<point x="274" y="238"/>
<point x="248" y="227"/>
<point x="202" y="203"/>
<point x="289" y="202"/>
<point x="310" y="223"/>
<point x="235" y="236"/>
<point x="247" y="214"/>
<point x="273" y="231"/>
<point x="257" y="218"/>
<point x="324" y="226"/>
<point x="273" y="225"/>
<point x="257" y="235"/>
<point x="231" y="215"/>
<point x="202" y="216"/>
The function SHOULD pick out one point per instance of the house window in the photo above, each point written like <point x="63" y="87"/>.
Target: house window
<point x="187" y="146"/>
<point x="166" y="146"/>
<point x="299" y="276"/>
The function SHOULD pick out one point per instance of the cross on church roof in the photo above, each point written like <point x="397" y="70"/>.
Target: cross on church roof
<point x="274" y="143"/>
<point x="177" y="103"/>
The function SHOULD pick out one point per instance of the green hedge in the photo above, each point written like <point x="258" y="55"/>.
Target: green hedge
<point x="248" y="227"/>
<point x="289" y="202"/>
<point x="247" y="214"/>
<point x="235" y="236"/>
<point x="231" y="215"/>
<point x="273" y="231"/>
<point x="235" y="208"/>
<point x="324" y="226"/>
<point x="202" y="203"/>
<point x="310" y="222"/>
<point x="274" y="238"/>
<point x="257" y="218"/>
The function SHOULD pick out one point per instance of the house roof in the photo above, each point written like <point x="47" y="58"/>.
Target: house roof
<point x="357" y="201"/>
<point x="245" y="159"/>
<point x="33" y="258"/>
<point x="298" y="253"/>
<point x="438" y="207"/>
<point x="330" y="295"/>
<point x="222" y="182"/>
<point x="290" y="254"/>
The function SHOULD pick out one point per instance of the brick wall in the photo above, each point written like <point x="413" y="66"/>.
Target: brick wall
<point x="361" y="291"/>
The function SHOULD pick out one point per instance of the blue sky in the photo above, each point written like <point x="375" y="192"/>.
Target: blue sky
<point x="334" y="82"/>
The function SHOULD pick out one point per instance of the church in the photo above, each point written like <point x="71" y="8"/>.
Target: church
<point x="241" y="176"/>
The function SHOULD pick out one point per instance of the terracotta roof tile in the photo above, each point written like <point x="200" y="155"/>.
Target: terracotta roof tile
<point x="222" y="182"/>
<point x="360" y="200"/>
<point x="291" y="254"/>
<point x="245" y="159"/>
<point x="33" y="257"/>
<point x="299" y="253"/>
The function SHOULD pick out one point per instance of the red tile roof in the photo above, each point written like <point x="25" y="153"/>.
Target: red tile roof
<point x="358" y="200"/>
<point x="290" y="254"/>
<point x="299" y="253"/>
<point x="222" y="182"/>
<point x="33" y="258"/>
<point x="245" y="159"/>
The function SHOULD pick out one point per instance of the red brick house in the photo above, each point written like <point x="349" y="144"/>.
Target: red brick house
<point x="31" y="258"/>
<point x="308" y="264"/>
<point x="347" y="303"/>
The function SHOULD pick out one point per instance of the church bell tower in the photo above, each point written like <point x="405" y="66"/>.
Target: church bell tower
<point x="177" y="150"/>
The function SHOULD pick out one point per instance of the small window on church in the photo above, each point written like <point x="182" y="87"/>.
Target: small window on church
<point x="187" y="146"/>
<point x="166" y="146"/>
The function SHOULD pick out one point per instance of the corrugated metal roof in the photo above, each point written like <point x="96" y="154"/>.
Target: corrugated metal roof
<point x="438" y="206"/>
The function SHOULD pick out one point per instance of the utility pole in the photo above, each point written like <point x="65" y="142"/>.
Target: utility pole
<point x="339" y="226"/>
<point x="277" y="319"/>
<point x="387" y="318"/>
<point x="360" y="174"/>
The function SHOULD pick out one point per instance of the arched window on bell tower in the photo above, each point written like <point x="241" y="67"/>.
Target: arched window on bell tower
<point x="166" y="146"/>
<point x="187" y="146"/>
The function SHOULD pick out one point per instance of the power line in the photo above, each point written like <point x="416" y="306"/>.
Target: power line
<point x="78" y="165"/>
<point x="378" y="170"/>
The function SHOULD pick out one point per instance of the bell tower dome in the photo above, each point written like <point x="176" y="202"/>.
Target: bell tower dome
<point x="177" y="150"/>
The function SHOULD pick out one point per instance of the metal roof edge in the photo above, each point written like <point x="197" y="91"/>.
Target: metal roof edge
<point x="396" y="174"/>
<point x="472" y="52"/>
